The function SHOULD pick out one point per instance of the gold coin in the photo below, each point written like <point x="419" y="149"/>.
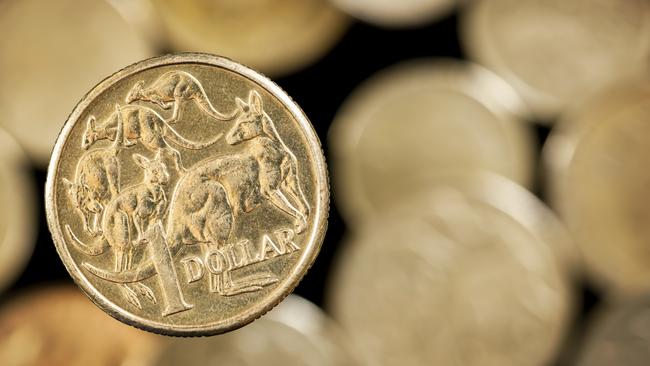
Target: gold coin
<point x="390" y="13"/>
<point x="598" y="182"/>
<point x="187" y="194"/>
<point x="404" y="127"/>
<point x="555" y="52"/>
<point x="51" y="53"/>
<point x="59" y="326"/>
<point x="18" y="217"/>
<point x="453" y="279"/>
<point x="619" y="335"/>
<point x="274" y="36"/>
<point x="294" y="333"/>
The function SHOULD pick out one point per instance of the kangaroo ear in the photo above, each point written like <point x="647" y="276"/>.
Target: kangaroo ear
<point x="255" y="101"/>
<point x="241" y="104"/>
<point x="140" y="160"/>
<point x="90" y="123"/>
<point x="68" y="184"/>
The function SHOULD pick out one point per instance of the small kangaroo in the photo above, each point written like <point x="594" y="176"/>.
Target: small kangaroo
<point x="142" y="124"/>
<point x="96" y="182"/>
<point x="278" y="167"/>
<point x="129" y="215"/>
<point x="172" y="88"/>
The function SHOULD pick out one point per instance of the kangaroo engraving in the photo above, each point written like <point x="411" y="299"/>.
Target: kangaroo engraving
<point x="171" y="89"/>
<point x="278" y="167"/>
<point x="128" y="216"/>
<point x="96" y="182"/>
<point x="210" y="196"/>
<point x="142" y="124"/>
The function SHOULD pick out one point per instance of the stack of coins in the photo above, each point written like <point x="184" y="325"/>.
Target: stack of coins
<point x="487" y="161"/>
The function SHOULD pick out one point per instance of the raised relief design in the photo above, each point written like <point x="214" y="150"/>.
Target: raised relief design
<point x="96" y="182"/>
<point x="144" y="125"/>
<point x="146" y="232"/>
<point x="172" y="88"/>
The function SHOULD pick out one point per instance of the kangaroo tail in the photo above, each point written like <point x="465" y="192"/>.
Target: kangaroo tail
<point x="98" y="248"/>
<point x="181" y="141"/>
<point x="204" y="103"/>
<point x="140" y="273"/>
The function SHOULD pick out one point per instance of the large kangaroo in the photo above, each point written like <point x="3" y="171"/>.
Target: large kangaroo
<point x="142" y="124"/>
<point x="96" y="182"/>
<point x="128" y="216"/>
<point x="278" y="167"/>
<point x="172" y="88"/>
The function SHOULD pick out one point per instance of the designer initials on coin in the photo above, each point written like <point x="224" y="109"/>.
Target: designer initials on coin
<point x="187" y="195"/>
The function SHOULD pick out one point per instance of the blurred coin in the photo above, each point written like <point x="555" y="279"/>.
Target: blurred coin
<point x="143" y="16"/>
<point x="620" y="335"/>
<point x="52" y="52"/>
<point x="597" y="159"/>
<point x="273" y="36"/>
<point x="404" y="127"/>
<point x="392" y="13"/>
<point x="294" y="333"/>
<point x="18" y="218"/>
<point x="558" y="51"/>
<point x="59" y="326"/>
<point x="451" y="279"/>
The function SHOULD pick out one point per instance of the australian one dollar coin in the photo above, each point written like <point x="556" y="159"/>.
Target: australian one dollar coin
<point x="187" y="194"/>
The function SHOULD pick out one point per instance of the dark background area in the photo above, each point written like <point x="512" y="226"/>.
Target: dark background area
<point x="320" y="89"/>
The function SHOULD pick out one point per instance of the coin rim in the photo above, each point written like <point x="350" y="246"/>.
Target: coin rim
<point x="321" y="188"/>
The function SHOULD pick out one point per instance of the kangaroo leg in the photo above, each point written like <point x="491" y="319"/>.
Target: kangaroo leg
<point x="96" y="230"/>
<point x="291" y="188"/>
<point x="119" y="254"/>
<point x="137" y="224"/>
<point x="280" y="201"/>
<point x="113" y="176"/>
<point x="175" y="156"/>
<point x="302" y="213"/>
<point x="88" y="223"/>
<point x="176" y="113"/>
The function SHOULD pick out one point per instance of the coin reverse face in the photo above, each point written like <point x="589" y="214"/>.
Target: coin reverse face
<point x="187" y="195"/>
